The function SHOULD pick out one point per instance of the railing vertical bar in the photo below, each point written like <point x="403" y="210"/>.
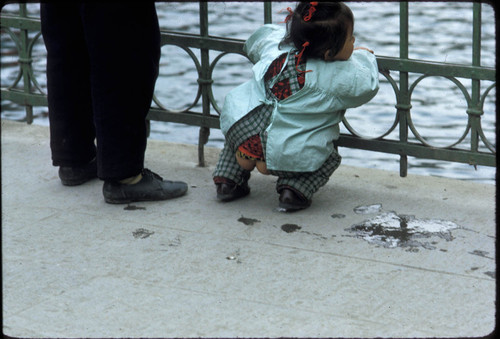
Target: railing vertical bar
<point x="204" y="83"/>
<point x="475" y="108"/>
<point x="403" y="105"/>
<point x="268" y="14"/>
<point x="25" y="62"/>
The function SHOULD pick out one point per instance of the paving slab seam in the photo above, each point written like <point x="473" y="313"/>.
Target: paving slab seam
<point x="352" y="257"/>
<point x="143" y="223"/>
<point x="381" y="262"/>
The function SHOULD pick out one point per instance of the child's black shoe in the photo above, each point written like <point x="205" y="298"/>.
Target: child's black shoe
<point x="231" y="191"/>
<point x="291" y="201"/>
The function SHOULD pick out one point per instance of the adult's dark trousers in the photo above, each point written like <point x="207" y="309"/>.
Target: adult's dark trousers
<point x="102" y="65"/>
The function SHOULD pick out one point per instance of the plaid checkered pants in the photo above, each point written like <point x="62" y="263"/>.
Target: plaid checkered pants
<point x="306" y="183"/>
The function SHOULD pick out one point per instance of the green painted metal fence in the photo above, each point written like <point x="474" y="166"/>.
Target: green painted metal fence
<point x="19" y="27"/>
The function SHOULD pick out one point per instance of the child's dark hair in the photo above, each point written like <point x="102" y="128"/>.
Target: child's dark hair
<point x="326" y="29"/>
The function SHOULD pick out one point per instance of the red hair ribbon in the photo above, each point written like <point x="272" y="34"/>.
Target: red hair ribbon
<point x="290" y="13"/>
<point x="312" y="9"/>
<point x="304" y="45"/>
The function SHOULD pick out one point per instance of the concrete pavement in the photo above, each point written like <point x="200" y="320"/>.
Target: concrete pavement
<point x="375" y="254"/>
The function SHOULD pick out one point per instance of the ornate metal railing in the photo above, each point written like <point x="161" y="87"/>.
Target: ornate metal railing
<point x="481" y="151"/>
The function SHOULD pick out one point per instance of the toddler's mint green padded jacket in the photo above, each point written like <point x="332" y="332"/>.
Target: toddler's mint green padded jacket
<point x="304" y="125"/>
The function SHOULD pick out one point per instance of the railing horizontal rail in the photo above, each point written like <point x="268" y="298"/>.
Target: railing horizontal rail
<point x="188" y="118"/>
<point x="9" y="20"/>
<point x="417" y="150"/>
<point x="436" y="68"/>
<point x="23" y="98"/>
<point x="197" y="41"/>
<point x="384" y="63"/>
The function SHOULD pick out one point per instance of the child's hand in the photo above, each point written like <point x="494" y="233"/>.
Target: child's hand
<point x="366" y="49"/>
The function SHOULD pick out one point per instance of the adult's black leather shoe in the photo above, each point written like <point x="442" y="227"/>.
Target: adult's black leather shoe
<point x="231" y="191"/>
<point x="291" y="201"/>
<point x="77" y="175"/>
<point x="151" y="187"/>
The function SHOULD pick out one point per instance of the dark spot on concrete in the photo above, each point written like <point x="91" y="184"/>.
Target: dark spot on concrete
<point x="338" y="216"/>
<point x="235" y="256"/>
<point x="248" y="221"/>
<point x="142" y="233"/>
<point x="479" y="253"/>
<point x="133" y="208"/>
<point x="491" y="274"/>
<point x="289" y="228"/>
<point x="483" y="254"/>
<point x="317" y="235"/>
<point x="176" y="242"/>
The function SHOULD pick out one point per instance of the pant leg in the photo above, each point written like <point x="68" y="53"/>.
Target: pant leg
<point x="72" y="132"/>
<point x="310" y="182"/>
<point x="228" y="167"/>
<point x="123" y="41"/>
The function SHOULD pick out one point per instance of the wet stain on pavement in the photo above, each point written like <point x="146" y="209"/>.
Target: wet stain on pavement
<point x="392" y="230"/>
<point x="133" y="208"/>
<point x="290" y="228"/>
<point x="317" y="235"/>
<point x="368" y="209"/>
<point x="248" y="221"/>
<point x="491" y="274"/>
<point x="142" y="233"/>
<point x="483" y="254"/>
<point x="338" y="216"/>
<point x="235" y="256"/>
<point x="175" y="242"/>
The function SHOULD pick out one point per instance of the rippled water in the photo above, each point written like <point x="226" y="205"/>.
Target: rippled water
<point x="439" y="32"/>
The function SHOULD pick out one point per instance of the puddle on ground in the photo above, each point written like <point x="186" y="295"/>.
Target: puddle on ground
<point x="289" y="228"/>
<point x="392" y="230"/>
<point x="133" y="208"/>
<point x="248" y="221"/>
